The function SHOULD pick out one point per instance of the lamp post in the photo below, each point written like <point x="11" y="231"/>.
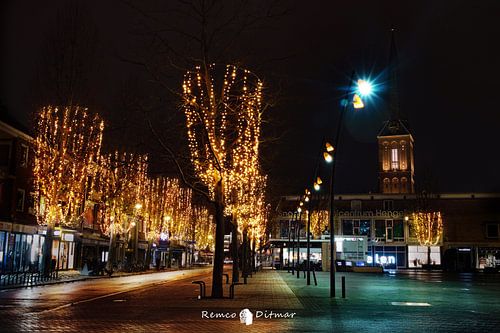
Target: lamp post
<point x="364" y="88"/>
<point x="308" y="199"/>
<point x="289" y="240"/>
<point x="297" y="221"/>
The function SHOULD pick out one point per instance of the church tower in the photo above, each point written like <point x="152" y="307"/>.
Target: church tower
<point x="395" y="142"/>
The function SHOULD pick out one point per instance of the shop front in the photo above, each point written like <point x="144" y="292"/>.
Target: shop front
<point x="419" y="255"/>
<point x="20" y="248"/>
<point x="488" y="258"/>
<point x="63" y="249"/>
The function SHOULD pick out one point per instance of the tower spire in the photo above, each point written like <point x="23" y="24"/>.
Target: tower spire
<point x="393" y="78"/>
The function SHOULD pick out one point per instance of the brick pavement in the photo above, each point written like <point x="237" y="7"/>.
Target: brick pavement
<point x="455" y="306"/>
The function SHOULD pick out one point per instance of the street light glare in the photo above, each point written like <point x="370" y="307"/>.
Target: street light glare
<point x="328" y="157"/>
<point x="365" y="88"/>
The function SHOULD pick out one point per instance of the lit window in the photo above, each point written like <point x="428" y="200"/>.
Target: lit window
<point x="387" y="184"/>
<point x="394" y="158"/>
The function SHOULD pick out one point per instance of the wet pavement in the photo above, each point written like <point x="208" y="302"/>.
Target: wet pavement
<point x="167" y="302"/>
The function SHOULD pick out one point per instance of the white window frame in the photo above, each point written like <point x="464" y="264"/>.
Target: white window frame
<point x="24" y="159"/>
<point x="389" y="225"/>
<point x="20" y="190"/>
<point x="394" y="158"/>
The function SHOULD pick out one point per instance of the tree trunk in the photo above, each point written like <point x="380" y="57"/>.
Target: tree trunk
<point x="147" y="263"/>
<point x="47" y="252"/>
<point x="244" y="254"/>
<point x="218" y="269"/>
<point x="234" y="245"/>
<point x="111" y="250"/>
<point x="429" y="257"/>
<point x="254" y="256"/>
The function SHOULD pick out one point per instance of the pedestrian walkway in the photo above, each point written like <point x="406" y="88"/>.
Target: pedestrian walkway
<point x="71" y="276"/>
<point x="279" y="302"/>
<point x="397" y="303"/>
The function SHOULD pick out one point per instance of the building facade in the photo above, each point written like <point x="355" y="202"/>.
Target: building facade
<point x="384" y="229"/>
<point x="21" y="241"/>
<point x="379" y="230"/>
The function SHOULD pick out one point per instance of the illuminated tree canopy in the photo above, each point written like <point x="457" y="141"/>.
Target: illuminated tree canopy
<point x="120" y="184"/>
<point x="223" y="118"/>
<point x="67" y="147"/>
<point x="428" y="227"/>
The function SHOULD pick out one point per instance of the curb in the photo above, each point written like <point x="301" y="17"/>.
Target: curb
<point x="86" y="279"/>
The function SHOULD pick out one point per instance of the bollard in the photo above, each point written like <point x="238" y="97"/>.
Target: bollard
<point x="343" y="287"/>
<point x="202" y="288"/>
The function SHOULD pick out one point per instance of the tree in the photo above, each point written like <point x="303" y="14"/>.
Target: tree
<point x="67" y="147"/>
<point x="194" y="37"/>
<point x="120" y="186"/>
<point x="222" y="108"/>
<point x="319" y="222"/>
<point x="428" y="227"/>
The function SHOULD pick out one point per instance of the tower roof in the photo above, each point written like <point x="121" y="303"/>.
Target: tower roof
<point x="395" y="125"/>
<point x="393" y="78"/>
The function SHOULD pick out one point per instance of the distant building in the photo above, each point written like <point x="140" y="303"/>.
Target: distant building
<point x="377" y="229"/>
<point x="20" y="241"/>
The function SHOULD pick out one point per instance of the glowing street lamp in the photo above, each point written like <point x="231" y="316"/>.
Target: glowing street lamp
<point x="328" y="158"/>
<point x="329" y="147"/>
<point x="363" y="89"/>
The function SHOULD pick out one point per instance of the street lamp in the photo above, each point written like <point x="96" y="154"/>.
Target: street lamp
<point x="363" y="89"/>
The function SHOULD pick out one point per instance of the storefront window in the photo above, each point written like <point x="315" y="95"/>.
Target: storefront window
<point x="3" y="238"/>
<point x="380" y="229"/>
<point x="364" y="228"/>
<point x="387" y="256"/>
<point x="418" y="256"/>
<point x="347" y="227"/>
<point x="399" y="234"/>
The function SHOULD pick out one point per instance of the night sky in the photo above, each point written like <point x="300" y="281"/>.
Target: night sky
<point x="448" y="81"/>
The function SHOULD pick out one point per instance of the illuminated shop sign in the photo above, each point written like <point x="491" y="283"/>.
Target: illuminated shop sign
<point x="382" y="260"/>
<point x="356" y="213"/>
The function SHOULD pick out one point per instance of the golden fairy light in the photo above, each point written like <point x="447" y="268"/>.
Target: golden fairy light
<point x="67" y="147"/>
<point x="120" y="185"/>
<point x="204" y="228"/>
<point x="319" y="222"/>
<point x="223" y="119"/>
<point x="428" y="227"/>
